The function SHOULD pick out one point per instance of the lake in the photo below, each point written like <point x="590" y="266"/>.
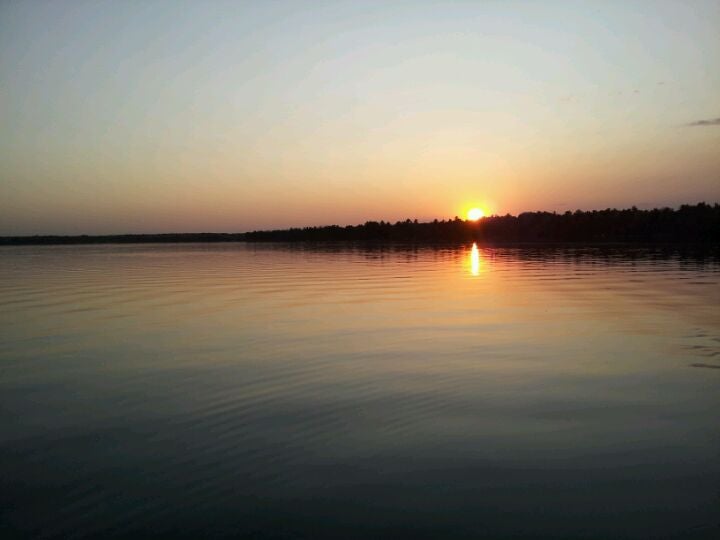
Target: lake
<point x="289" y="391"/>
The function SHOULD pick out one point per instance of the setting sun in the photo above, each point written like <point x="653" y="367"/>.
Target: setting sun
<point x="475" y="213"/>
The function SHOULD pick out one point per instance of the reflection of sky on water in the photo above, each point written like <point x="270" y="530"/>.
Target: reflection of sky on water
<point x="358" y="393"/>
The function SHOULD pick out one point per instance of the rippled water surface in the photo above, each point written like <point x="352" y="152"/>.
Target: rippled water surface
<point x="290" y="392"/>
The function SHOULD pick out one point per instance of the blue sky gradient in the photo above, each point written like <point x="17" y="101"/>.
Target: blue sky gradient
<point x="164" y="116"/>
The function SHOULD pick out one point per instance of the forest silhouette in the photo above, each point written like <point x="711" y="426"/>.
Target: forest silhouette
<point x="699" y="223"/>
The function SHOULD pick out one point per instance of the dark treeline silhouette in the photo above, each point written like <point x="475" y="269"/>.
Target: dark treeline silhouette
<point x="698" y="223"/>
<point x="122" y="239"/>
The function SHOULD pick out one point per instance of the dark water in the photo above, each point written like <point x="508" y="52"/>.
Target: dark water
<point x="277" y="392"/>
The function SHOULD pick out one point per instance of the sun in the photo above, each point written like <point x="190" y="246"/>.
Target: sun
<point x="474" y="214"/>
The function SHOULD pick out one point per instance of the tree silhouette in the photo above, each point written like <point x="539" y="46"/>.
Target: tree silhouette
<point x="699" y="223"/>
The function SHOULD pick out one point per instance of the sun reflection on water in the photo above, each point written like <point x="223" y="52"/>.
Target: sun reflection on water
<point x="475" y="260"/>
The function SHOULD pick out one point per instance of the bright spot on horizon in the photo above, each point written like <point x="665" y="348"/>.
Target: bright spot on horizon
<point x="475" y="213"/>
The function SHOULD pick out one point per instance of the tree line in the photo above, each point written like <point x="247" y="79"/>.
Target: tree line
<point x="699" y="223"/>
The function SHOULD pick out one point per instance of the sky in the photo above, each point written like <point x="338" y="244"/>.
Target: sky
<point x="184" y="116"/>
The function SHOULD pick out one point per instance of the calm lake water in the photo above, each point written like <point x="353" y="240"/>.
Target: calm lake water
<point x="270" y="391"/>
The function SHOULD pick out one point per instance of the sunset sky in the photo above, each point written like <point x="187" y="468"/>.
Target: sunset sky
<point x="161" y="116"/>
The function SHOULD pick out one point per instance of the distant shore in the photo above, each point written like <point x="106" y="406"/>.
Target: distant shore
<point x="695" y="224"/>
<point x="169" y="238"/>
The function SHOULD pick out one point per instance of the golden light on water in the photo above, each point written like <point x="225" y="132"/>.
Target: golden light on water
<point x="475" y="260"/>
<point x="475" y="213"/>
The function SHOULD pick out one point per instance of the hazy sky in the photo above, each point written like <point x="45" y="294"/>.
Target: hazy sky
<point x="155" y="116"/>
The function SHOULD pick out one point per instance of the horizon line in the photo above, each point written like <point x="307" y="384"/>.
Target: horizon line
<point x="412" y="220"/>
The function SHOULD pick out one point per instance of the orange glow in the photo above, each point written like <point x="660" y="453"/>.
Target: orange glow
<point x="475" y="213"/>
